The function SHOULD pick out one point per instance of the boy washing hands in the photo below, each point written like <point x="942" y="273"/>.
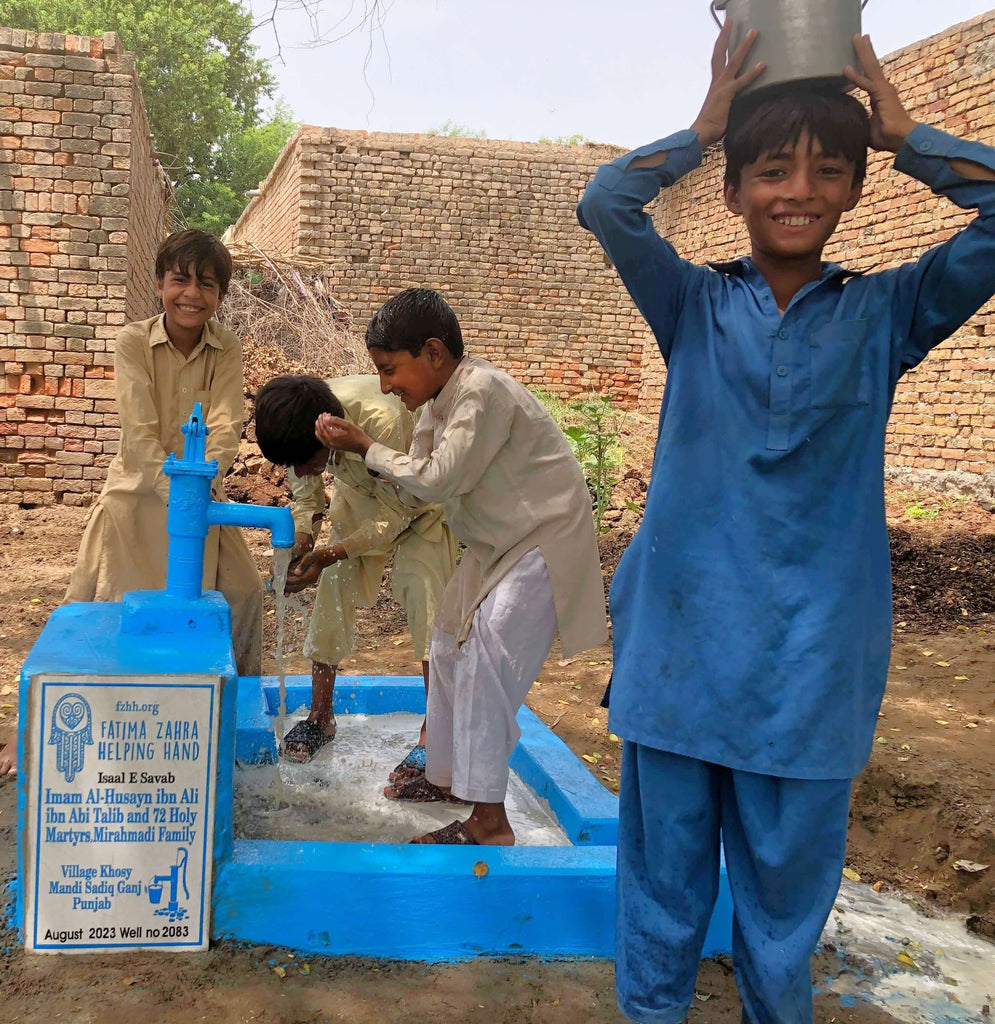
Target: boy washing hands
<point x="488" y="453"/>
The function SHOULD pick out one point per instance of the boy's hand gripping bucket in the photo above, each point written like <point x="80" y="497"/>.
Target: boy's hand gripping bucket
<point x="798" y="40"/>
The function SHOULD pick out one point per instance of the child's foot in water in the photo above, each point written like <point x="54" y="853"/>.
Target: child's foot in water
<point x="488" y="825"/>
<point x="306" y="738"/>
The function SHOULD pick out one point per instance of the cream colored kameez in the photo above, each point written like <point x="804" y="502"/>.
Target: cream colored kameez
<point x="499" y="466"/>
<point x="369" y="520"/>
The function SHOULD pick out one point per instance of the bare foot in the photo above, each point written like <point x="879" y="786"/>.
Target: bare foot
<point x="488" y="825"/>
<point x="8" y="761"/>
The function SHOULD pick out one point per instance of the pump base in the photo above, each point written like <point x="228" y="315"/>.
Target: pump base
<point x="148" y="612"/>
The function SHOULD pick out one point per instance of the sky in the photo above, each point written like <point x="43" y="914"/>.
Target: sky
<point x="618" y="71"/>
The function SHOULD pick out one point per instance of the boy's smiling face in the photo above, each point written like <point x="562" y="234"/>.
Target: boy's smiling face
<point x="792" y="200"/>
<point x="188" y="298"/>
<point x="414" y="379"/>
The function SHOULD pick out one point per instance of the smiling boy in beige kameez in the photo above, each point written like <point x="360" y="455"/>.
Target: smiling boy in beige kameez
<point x="162" y="366"/>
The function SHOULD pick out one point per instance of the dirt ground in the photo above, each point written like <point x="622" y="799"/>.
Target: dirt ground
<point x="926" y="801"/>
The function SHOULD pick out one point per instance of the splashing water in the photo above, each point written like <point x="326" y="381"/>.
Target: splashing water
<point x="338" y="797"/>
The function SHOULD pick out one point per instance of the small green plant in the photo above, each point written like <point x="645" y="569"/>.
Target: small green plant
<point x="592" y="426"/>
<point x="564" y="140"/>
<point x="918" y="511"/>
<point x="595" y="442"/>
<point x="458" y="131"/>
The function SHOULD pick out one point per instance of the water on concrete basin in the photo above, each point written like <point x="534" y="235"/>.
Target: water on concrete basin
<point x="922" y="970"/>
<point x="338" y="796"/>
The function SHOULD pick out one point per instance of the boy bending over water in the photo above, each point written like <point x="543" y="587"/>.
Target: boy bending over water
<point x="367" y="523"/>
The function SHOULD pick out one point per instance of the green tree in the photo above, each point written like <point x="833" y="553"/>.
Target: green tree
<point x="201" y="79"/>
<point x="214" y="199"/>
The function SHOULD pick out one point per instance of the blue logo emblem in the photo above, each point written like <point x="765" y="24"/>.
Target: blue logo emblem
<point x="72" y="733"/>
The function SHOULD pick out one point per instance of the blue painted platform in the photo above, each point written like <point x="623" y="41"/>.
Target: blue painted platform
<point x="380" y="900"/>
<point x="428" y="902"/>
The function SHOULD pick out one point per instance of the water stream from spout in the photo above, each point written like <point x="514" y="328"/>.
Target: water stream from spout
<point x="281" y="566"/>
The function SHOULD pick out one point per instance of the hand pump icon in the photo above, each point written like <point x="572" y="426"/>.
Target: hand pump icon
<point x="177" y="876"/>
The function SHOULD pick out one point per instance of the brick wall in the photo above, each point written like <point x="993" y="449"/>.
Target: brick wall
<point x="273" y="221"/>
<point x="82" y="206"/>
<point x="943" y="426"/>
<point x="491" y="224"/>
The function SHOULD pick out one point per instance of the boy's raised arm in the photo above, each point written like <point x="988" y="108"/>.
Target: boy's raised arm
<point x="936" y="294"/>
<point x="613" y="205"/>
<point x="713" y="118"/>
<point x="472" y="438"/>
<point x="474" y="434"/>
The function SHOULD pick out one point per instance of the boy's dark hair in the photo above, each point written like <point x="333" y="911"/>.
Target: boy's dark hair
<point x="405" y="322"/>
<point x="204" y="251"/>
<point x="773" y="120"/>
<point x="286" y="410"/>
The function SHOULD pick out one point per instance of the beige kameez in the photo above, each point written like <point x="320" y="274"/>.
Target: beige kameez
<point x="369" y="520"/>
<point x="507" y="481"/>
<point x="125" y="544"/>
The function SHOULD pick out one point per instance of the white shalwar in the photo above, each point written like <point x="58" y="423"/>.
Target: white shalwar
<point x="479" y="685"/>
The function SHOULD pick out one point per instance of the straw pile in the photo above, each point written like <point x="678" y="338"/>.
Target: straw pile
<point x="287" y="302"/>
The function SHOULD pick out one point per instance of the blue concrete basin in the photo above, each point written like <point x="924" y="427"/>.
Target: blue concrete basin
<point x="428" y="902"/>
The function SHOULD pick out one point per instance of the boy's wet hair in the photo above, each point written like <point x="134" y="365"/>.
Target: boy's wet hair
<point x="204" y="251"/>
<point x="286" y="410"/>
<point x="405" y="322"/>
<point x="773" y="121"/>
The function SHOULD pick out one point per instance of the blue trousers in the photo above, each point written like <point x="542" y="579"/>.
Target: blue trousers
<point x="784" y="842"/>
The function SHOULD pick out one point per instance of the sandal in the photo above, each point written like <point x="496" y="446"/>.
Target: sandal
<point x="310" y="737"/>
<point x="418" y="790"/>
<point x="453" y="834"/>
<point x="412" y="765"/>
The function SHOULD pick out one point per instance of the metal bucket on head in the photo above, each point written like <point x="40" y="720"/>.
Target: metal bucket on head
<point x="798" y="40"/>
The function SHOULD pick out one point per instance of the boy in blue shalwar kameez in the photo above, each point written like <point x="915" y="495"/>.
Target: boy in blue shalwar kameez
<point x="752" y="611"/>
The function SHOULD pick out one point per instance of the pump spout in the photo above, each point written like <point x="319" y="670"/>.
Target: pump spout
<point x="192" y="513"/>
<point x="278" y="521"/>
